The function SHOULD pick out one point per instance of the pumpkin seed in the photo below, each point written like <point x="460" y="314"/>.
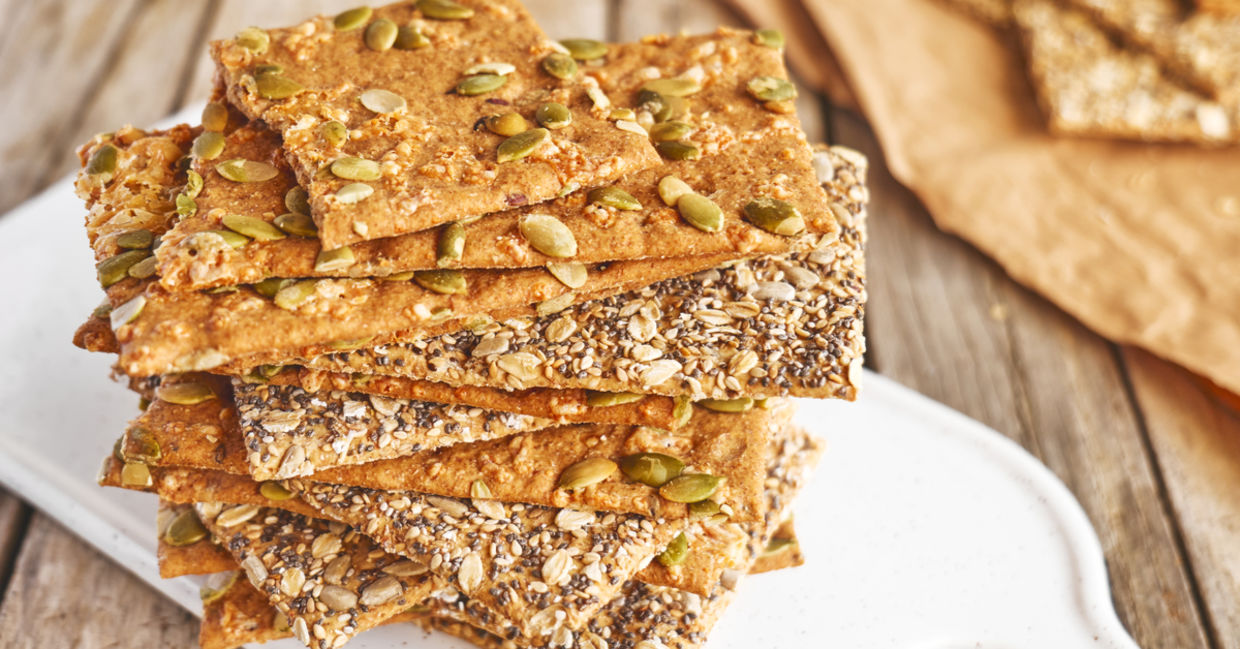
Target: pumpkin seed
<point x="136" y="240"/>
<point x="521" y="144"/>
<point x="252" y="227"/>
<point x="480" y="84"/>
<point x="787" y="107"/>
<point x="560" y="66"/>
<point x="585" y="473"/>
<point x="352" y="18"/>
<point x="103" y="161"/>
<point x="409" y="37"/>
<point x="651" y="469"/>
<point x="296" y="294"/>
<point x="270" y="286"/>
<point x="584" y="49"/>
<point x="380" y="35"/>
<point x="298" y="225"/>
<point x="675" y="87"/>
<point x="572" y="274"/>
<point x="771" y="89"/>
<point x="627" y="114"/>
<point x="354" y="193"/>
<point x="145" y="446"/>
<point x="772" y="38"/>
<point x="508" y="124"/>
<point x="185" y="529"/>
<point x="350" y="344"/>
<point x="444" y="10"/>
<point x="398" y="277"/>
<point x="492" y="67"/>
<point x="145" y="268"/>
<point x="185" y="393"/>
<point x="351" y="168"/>
<point x="274" y="491"/>
<point x="135" y="474"/>
<point x="297" y="200"/>
<point x="614" y="197"/>
<point x="231" y="238"/>
<point x="548" y="235"/>
<point x="677" y="150"/>
<point x="672" y="188"/>
<point x="193" y="183"/>
<point x="675" y="552"/>
<point x="553" y="115"/>
<point x="673" y="108"/>
<point x="703" y="509"/>
<point x="691" y="488"/>
<point x="727" y="405"/>
<point x="599" y="399"/>
<point x="775" y="216"/>
<point x="214" y="116"/>
<point x="277" y="86"/>
<point x="479" y="489"/>
<point x="670" y="131"/>
<point x="451" y="245"/>
<point x="255" y="39"/>
<point x="246" y="171"/>
<point x="334" y="133"/>
<point x="218" y="585"/>
<point x="115" y="268"/>
<point x="186" y="205"/>
<point x="383" y="101"/>
<point x="700" y="212"/>
<point x="127" y="312"/>
<point x="266" y="69"/>
<point x="330" y="261"/>
<point x="776" y="546"/>
<point x="102" y="310"/>
<point x="444" y="281"/>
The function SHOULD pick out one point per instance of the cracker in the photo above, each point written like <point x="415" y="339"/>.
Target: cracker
<point x="995" y="12"/>
<point x="1220" y="7"/>
<point x="1202" y="48"/>
<point x="437" y="167"/>
<point x="782" y="552"/>
<point x="748" y="152"/>
<point x="1089" y="86"/>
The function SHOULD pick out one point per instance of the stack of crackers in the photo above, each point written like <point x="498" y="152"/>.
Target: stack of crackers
<point x="1146" y="70"/>
<point x="438" y="320"/>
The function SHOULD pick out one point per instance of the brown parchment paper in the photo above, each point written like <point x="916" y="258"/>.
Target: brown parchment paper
<point x="1139" y="242"/>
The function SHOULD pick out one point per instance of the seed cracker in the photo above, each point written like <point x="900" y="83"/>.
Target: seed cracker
<point x="436" y="167"/>
<point x="747" y="151"/>
<point x="1089" y="86"/>
<point x="995" y="12"/>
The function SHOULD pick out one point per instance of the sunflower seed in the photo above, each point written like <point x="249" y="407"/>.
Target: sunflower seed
<point x="274" y="491"/>
<point x="330" y="261"/>
<point x="614" y="197"/>
<point x="555" y="304"/>
<point x="670" y="131"/>
<point x="185" y="530"/>
<point x="469" y="575"/>
<point x="338" y="598"/>
<point x="480" y="84"/>
<point x="775" y="291"/>
<point x="277" y="86"/>
<point x="771" y="89"/>
<point x="741" y="404"/>
<point x="560" y="66"/>
<point x="103" y="161"/>
<point x="553" y="115"/>
<point x="409" y="37"/>
<point x="252" y="227"/>
<point x="380" y="35"/>
<point x="444" y="281"/>
<point x="135" y="240"/>
<point x="675" y="552"/>
<point x="292" y="580"/>
<point x="451" y="245"/>
<point x="325" y="545"/>
<point x="298" y="225"/>
<point x="334" y="133"/>
<point x="127" y="312"/>
<point x="775" y="216"/>
<point x="255" y="39"/>
<point x="651" y="469"/>
<point x="548" y="235"/>
<point x="571" y="274"/>
<point x="115" y="268"/>
<point x="352" y="18"/>
<point x="381" y="591"/>
<point x="488" y="346"/>
<point x="521" y="145"/>
<point x="585" y="473"/>
<point x="354" y="193"/>
<point x="508" y="124"/>
<point x="555" y="569"/>
<point x="572" y="519"/>
<point x="479" y="489"/>
<point x="584" y="49"/>
<point x="406" y="568"/>
<point x="521" y="365"/>
<point x="675" y="87"/>
<point x="382" y="101"/>
<point x="599" y="399"/>
<point x="185" y="393"/>
<point x="772" y="38"/>
<point x="235" y="516"/>
<point x="351" y="168"/>
<point x="294" y="295"/>
<point x="700" y="212"/>
<point x="217" y="586"/>
<point x="671" y="189"/>
<point x="246" y="171"/>
<point x="691" y="488"/>
<point x="214" y="116"/>
<point x="444" y="10"/>
<point x="677" y="150"/>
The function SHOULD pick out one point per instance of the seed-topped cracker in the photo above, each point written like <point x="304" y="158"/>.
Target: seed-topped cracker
<point x="742" y="154"/>
<point x="329" y="581"/>
<point x="1089" y="86"/>
<point x="333" y="96"/>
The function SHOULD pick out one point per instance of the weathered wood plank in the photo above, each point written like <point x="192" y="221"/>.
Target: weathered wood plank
<point x="1196" y="438"/>
<point x="948" y="323"/>
<point x="72" y="43"/>
<point x="13" y="517"/>
<point x="64" y="594"/>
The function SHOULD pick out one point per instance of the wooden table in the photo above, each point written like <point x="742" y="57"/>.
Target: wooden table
<point x="1153" y="458"/>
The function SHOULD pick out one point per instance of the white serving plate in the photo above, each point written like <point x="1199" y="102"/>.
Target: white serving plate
<point x="922" y="528"/>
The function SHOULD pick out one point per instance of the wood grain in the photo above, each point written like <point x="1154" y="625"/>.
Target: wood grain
<point x="13" y="518"/>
